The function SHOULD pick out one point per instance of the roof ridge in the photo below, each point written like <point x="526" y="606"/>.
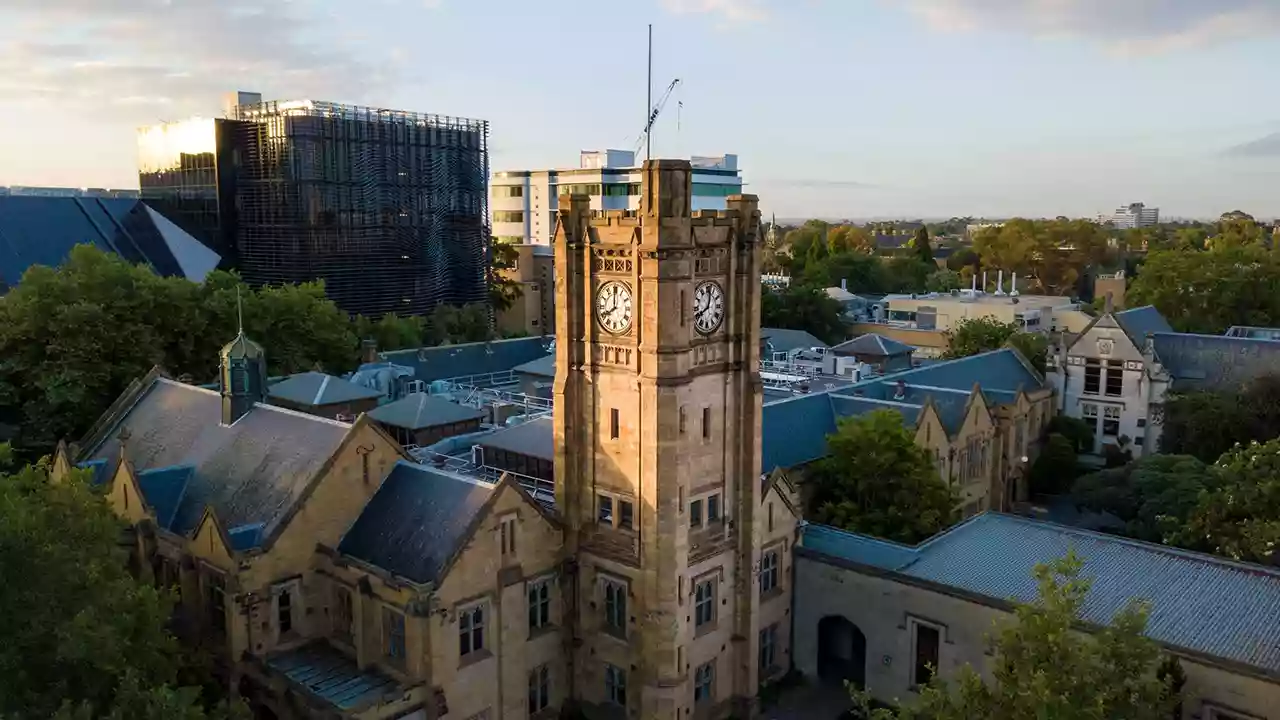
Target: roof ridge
<point x="298" y="413"/>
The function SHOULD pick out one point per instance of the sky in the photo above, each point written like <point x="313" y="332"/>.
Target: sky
<point x="835" y="108"/>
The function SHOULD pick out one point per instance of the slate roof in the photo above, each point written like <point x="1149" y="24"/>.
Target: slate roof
<point x="163" y="489"/>
<point x="794" y="431"/>
<point x="97" y="470"/>
<point x="318" y="389"/>
<point x="1257" y="333"/>
<point x="1215" y="362"/>
<point x="413" y="524"/>
<point x="996" y="370"/>
<point x="784" y="340"/>
<point x="873" y="344"/>
<point x="420" y="410"/>
<point x="251" y="472"/>
<point x="544" y="367"/>
<point x="535" y="438"/>
<point x="451" y="361"/>
<point x="43" y="230"/>
<point x="1199" y="602"/>
<point x="1138" y="322"/>
<point x="326" y="673"/>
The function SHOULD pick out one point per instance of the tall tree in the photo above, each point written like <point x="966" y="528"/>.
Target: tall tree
<point x="849" y="239"/>
<point x="1042" y="667"/>
<point x="453" y="324"/>
<point x="804" y="307"/>
<point x="503" y="288"/>
<point x="1239" y="517"/>
<point x="1152" y="495"/>
<point x="391" y="332"/>
<point x="876" y="480"/>
<point x="922" y="245"/>
<point x="973" y="336"/>
<point x="82" y="639"/>
<point x="1209" y="291"/>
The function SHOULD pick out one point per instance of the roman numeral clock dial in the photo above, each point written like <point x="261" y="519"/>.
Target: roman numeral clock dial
<point x="613" y="307"/>
<point x="708" y="307"/>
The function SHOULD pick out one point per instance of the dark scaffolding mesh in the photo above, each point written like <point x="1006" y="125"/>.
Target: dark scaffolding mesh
<point x="388" y="208"/>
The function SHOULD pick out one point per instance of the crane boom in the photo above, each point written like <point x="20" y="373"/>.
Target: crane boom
<point x="655" y="111"/>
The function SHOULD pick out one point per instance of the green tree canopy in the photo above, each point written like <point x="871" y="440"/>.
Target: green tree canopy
<point x="1152" y="495"/>
<point x="1050" y="254"/>
<point x="876" y="480"/>
<point x="849" y="239"/>
<point x="942" y="280"/>
<point x="1055" y="468"/>
<point x="1209" y="291"/>
<point x="1239" y="516"/>
<point x="503" y="288"/>
<point x="1044" y="668"/>
<point x="973" y="336"/>
<point x="803" y="307"/>
<point x="391" y="331"/>
<point x="82" y="639"/>
<point x="922" y="245"/>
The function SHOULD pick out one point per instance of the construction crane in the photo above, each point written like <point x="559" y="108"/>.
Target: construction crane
<point x="654" y="113"/>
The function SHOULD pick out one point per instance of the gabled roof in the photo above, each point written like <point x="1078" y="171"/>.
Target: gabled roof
<point x="1200" y="603"/>
<point x="535" y="438"/>
<point x="420" y="410"/>
<point x="1215" y="362"/>
<point x="318" y="389"/>
<point x="163" y="489"/>
<point x="794" y="432"/>
<point x="873" y="344"/>
<point x="253" y="471"/>
<point x="43" y="230"/>
<point x="1002" y="369"/>
<point x="413" y="524"/>
<point x="544" y="366"/>
<point x="451" y="361"/>
<point x="1138" y="322"/>
<point x="784" y="340"/>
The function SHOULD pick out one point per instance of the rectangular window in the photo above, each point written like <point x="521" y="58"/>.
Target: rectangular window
<point x="604" y="509"/>
<point x="539" y="604"/>
<point x="471" y="630"/>
<point x="343" y="614"/>
<point x="615" y="607"/>
<point x="215" y="601"/>
<point x="704" y="679"/>
<point x="695" y="514"/>
<point x="768" y="645"/>
<point x="1089" y="413"/>
<point x="539" y="689"/>
<point x="511" y="191"/>
<point x="713" y="508"/>
<point x="284" y="611"/>
<point x="507" y="533"/>
<point x="508" y="216"/>
<point x="615" y="685"/>
<point x="769" y="524"/>
<point x="393" y="636"/>
<point x="768" y="572"/>
<point x="1111" y="421"/>
<point x="1115" y="378"/>
<point x="704" y="603"/>
<point x="626" y="515"/>
<point x="1092" y="376"/>
<point x="613" y="423"/>
<point x="706" y="423"/>
<point x="926" y="653"/>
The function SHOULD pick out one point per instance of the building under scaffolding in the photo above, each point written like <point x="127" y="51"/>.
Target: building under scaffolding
<point x="388" y="208"/>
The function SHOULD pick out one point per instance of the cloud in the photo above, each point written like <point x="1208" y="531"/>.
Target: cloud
<point x="1129" y="26"/>
<point x="1268" y="146"/>
<point x="813" y="183"/>
<point x="121" y="57"/>
<point x="731" y="10"/>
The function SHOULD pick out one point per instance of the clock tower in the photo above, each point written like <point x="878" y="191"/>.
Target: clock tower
<point x="657" y="464"/>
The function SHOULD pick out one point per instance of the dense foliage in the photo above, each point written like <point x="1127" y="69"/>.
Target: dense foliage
<point x="803" y="307"/>
<point x="1207" y="424"/>
<point x="82" y="639"/>
<point x="1043" y="668"/>
<point x="1208" y="291"/>
<point x="1047" y="255"/>
<point x="72" y="338"/>
<point x="972" y="336"/>
<point x="1152" y="495"/>
<point x="876" y="480"/>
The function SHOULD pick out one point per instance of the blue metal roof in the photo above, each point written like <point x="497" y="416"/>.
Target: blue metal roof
<point x="318" y="389"/>
<point x="873" y="344"/>
<point x="996" y="370"/>
<point x="420" y="410"/>
<point x="245" y="537"/>
<point x="43" y="230"/>
<point x="327" y="674"/>
<point x="1198" y="602"/>
<point x="1249" y="331"/>
<point x="786" y="340"/>
<point x="451" y="361"/>
<point x="97" y="470"/>
<point x="413" y="524"/>
<point x="163" y="489"/>
<point x="1139" y="322"/>
<point x="1215" y="362"/>
<point x="794" y="432"/>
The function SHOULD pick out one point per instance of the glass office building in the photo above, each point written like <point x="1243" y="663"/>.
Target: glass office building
<point x="388" y="208"/>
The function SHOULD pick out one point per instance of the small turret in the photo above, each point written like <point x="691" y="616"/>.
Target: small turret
<point x="242" y="377"/>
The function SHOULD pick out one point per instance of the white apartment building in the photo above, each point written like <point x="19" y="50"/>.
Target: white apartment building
<point x="1136" y="215"/>
<point x="524" y="202"/>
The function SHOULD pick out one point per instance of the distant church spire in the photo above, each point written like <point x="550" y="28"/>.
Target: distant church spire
<point x="242" y="372"/>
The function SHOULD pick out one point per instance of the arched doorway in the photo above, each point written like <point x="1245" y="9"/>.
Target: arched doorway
<point x="842" y="651"/>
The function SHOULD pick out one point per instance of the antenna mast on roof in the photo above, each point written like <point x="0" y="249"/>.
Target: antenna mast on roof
<point x="648" y="99"/>
<point x="239" y="313"/>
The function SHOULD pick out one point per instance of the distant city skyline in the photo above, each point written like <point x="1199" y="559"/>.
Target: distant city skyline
<point x="868" y="108"/>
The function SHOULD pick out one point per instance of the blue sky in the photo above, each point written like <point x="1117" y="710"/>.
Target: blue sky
<point x="836" y="108"/>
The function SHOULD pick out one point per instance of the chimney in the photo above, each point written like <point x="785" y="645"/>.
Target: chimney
<point x="1013" y="286"/>
<point x="984" y="281"/>
<point x="1000" y="284"/>
<point x="900" y="392"/>
<point x="973" y="284"/>
<point x="369" y="350"/>
<point x="844" y="284"/>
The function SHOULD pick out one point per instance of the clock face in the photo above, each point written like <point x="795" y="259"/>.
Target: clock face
<point x="613" y="307"/>
<point x="708" y="307"/>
